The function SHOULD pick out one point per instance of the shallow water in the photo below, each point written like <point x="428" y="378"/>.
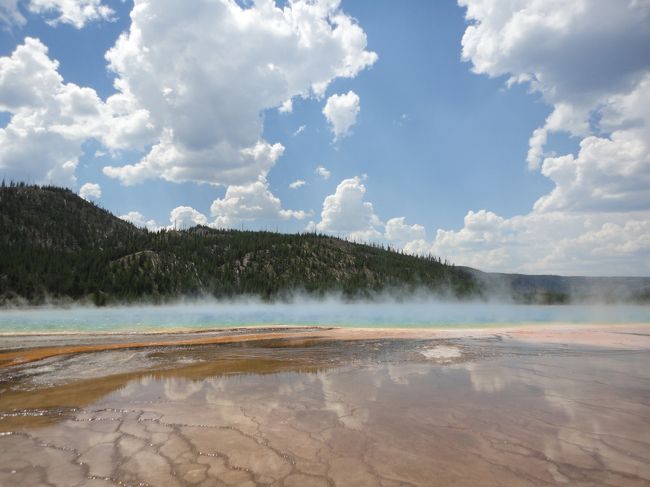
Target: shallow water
<point x="375" y="412"/>
<point x="328" y="312"/>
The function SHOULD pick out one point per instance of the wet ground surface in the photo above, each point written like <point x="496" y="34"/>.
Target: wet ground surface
<point x="308" y="411"/>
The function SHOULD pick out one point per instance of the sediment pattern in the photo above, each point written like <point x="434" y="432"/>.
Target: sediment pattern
<point x="574" y="418"/>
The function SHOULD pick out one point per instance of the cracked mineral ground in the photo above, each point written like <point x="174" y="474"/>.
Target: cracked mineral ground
<point x="319" y="410"/>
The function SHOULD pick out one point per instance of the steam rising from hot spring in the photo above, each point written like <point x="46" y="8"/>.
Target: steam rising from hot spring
<point x="334" y="311"/>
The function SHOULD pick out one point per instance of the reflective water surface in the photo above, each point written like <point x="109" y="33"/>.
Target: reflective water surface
<point x="376" y="412"/>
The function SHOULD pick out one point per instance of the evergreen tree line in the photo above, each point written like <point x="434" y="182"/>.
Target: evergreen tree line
<point x="56" y="246"/>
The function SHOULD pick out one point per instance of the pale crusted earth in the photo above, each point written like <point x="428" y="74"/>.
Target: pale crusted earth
<point x="377" y="413"/>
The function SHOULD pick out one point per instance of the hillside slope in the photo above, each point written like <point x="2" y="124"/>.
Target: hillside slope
<point x="56" y="246"/>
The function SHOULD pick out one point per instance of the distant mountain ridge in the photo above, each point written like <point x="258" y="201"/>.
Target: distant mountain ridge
<point x="57" y="247"/>
<point x="552" y="289"/>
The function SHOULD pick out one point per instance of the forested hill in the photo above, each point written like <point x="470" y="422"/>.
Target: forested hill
<point x="57" y="247"/>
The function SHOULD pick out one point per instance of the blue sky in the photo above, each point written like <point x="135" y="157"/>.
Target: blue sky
<point x="435" y="151"/>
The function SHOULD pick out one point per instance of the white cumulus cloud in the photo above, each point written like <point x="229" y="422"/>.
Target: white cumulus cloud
<point x="341" y="112"/>
<point x="180" y="218"/>
<point x="346" y="213"/>
<point x="90" y="191"/>
<point x="575" y="53"/>
<point x="74" y="12"/>
<point x="196" y="130"/>
<point x="139" y="220"/>
<point x="51" y="119"/>
<point x="286" y="107"/>
<point x="548" y="242"/>
<point x="245" y="203"/>
<point x="322" y="172"/>
<point x="399" y="232"/>
<point x="590" y="63"/>
<point x="209" y="125"/>
<point x="550" y="44"/>
<point x="183" y="217"/>
<point x="298" y="183"/>
<point x="196" y="123"/>
<point x="10" y="14"/>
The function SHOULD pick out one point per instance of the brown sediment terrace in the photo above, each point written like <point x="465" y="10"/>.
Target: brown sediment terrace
<point x="512" y="406"/>
<point x="120" y="342"/>
<point x="25" y="348"/>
